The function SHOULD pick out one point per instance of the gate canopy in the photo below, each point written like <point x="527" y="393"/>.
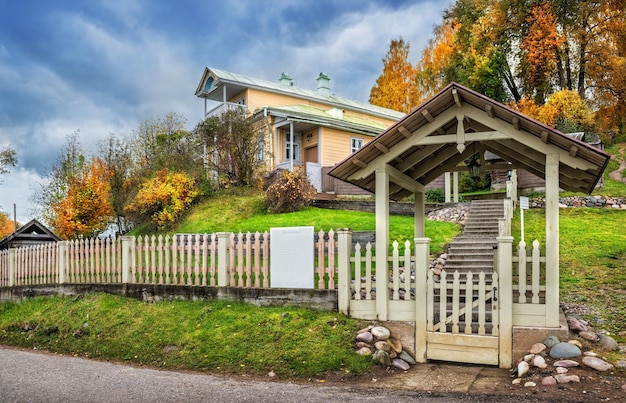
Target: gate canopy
<point x="447" y="130"/>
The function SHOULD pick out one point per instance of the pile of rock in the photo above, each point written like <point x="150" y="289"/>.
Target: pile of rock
<point x="456" y="213"/>
<point x="582" y="201"/>
<point x="384" y="349"/>
<point x="566" y="356"/>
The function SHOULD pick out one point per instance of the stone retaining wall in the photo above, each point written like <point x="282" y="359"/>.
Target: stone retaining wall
<point x="582" y="201"/>
<point x="325" y="300"/>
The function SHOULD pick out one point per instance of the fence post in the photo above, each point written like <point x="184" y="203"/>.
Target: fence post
<point x="344" y="250"/>
<point x="126" y="243"/>
<point x="62" y="259"/>
<point x="504" y="269"/>
<point x="223" y="258"/>
<point x="422" y="252"/>
<point x="12" y="263"/>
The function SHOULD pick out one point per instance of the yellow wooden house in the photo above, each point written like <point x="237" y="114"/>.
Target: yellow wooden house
<point x="310" y="129"/>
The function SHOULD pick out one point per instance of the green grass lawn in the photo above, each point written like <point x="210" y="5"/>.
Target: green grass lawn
<point x="216" y="336"/>
<point x="245" y="212"/>
<point x="592" y="260"/>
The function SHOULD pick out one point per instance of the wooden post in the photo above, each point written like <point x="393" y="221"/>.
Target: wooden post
<point x="455" y="186"/>
<point x="422" y="252"/>
<point x="62" y="261"/>
<point x="504" y="269"/>
<point x="12" y="267"/>
<point x="223" y="258"/>
<point x="344" y="250"/>
<point x="446" y="189"/>
<point x="552" y="240"/>
<point x="419" y="214"/>
<point x="126" y="263"/>
<point x="382" y="243"/>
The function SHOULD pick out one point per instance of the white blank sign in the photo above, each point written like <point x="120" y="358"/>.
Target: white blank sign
<point x="291" y="257"/>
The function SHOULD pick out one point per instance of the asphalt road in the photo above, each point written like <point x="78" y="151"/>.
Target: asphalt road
<point x="31" y="376"/>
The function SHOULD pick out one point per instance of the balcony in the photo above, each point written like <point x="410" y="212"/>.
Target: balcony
<point x="224" y="107"/>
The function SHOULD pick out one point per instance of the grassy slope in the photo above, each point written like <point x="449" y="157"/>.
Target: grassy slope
<point x="215" y="336"/>
<point x="245" y="212"/>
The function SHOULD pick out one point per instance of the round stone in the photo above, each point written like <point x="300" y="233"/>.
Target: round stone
<point x="562" y="378"/>
<point x="530" y="384"/>
<point x="564" y="350"/>
<point x="551" y="341"/>
<point x="400" y="364"/>
<point x="365" y="337"/>
<point x="597" y="363"/>
<point x="589" y="335"/>
<point x="562" y="370"/>
<point x="407" y="357"/>
<point x="383" y="345"/>
<point x="608" y="343"/>
<point x="380" y="332"/>
<point x="539" y="362"/>
<point x="566" y="363"/>
<point x="548" y="381"/>
<point x="537" y="348"/>
<point x="522" y="368"/>
<point x="364" y="351"/>
<point x="382" y="358"/>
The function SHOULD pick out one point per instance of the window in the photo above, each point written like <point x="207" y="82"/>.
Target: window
<point x="355" y="144"/>
<point x="288" y="147"/>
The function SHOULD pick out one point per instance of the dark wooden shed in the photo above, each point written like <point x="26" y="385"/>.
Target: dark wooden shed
<point x="33" y="233"/>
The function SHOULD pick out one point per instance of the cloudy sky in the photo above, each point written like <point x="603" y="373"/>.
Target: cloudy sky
<point x="105" y="66"/>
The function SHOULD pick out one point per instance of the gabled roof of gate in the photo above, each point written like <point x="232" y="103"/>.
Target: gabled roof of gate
<point x="456" y="123"/>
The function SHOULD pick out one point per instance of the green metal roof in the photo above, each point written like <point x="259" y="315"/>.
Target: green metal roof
<point x="310" y="114"/>
<point x="292" y="90"/>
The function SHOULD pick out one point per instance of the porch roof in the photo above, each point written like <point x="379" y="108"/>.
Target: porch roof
<point x="456" y="123"/>
<point x="310" y="116"/>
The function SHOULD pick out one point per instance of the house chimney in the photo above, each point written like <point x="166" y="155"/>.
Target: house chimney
<point x="323" y="85"/>
<point x="285" y="79"/>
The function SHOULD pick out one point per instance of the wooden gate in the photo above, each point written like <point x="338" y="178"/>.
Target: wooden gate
<point x="463" y="317"/>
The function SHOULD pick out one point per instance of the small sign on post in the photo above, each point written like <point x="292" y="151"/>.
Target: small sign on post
<point x="523" y="205"/>
<point x="292" y="257"/>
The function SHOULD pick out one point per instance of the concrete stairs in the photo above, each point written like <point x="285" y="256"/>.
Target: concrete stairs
<point x="474" y="250"/>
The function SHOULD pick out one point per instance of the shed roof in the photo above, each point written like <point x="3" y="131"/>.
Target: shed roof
<point x="458" y="122"/>
<point x="32" y="232"/>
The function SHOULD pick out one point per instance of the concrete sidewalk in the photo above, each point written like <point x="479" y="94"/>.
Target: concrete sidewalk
<point x="448" y="377"/>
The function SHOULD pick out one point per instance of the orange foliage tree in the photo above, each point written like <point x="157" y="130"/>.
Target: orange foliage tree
<point x="396" y="88"/>
<point x="163" y="198"/>
<point x="432" y="70"/>
<point x="540" y="49"/>
<point x="86" y="209"/>
<point x="567" y="111"/>
<point x="7" y="226"/>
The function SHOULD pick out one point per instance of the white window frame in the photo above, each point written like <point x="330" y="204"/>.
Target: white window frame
<point x="287" y="147"/>
<point x="355" y="144"/>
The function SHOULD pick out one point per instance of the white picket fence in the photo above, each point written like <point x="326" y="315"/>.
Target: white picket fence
<point x="220" y="259"/>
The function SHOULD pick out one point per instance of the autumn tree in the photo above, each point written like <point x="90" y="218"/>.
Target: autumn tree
<point x="7" y="226"/>
<point x="396" y="88"/>
<point x="70" y="163"/>
<point x="161" y="143"/>
<point x="116" y="154"/>
<point x="162" y="199"/>
<point x="566" y="111"/>
<point x="86" y="209"/>
<point x="7" y="158"/>
<point x="433" y="70"/>
<point x="540" y="52"/>
<point x="235" y="147"/>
